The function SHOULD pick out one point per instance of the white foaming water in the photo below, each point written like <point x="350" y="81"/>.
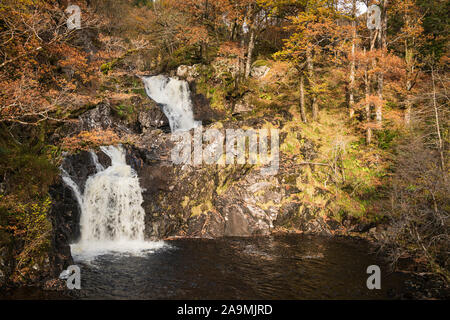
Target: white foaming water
<point x="112" y="217"/>
<point x="94" y="158"/>
<point x="175" y="98"/>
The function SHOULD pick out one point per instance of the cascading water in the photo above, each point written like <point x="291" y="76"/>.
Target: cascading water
<point x="112" y="217"/>
<point x="112" y="202"/>
<point x="174" y="97"/>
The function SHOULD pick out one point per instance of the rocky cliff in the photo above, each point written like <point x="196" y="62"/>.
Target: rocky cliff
<point x="185" y="200"/>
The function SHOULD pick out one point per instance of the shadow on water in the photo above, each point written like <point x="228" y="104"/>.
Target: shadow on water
<point x="276" y="267"/>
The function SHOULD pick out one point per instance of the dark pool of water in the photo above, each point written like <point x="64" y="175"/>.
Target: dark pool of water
<point x="276" y="267"/>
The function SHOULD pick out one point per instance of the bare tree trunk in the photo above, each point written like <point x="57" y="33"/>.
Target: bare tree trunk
<point x="382" y="38"/>
<point x="206" y="10"/>
<point x="205" y="51"/>
<point x="408" y="84"/>
<point x="242" y="58"/>
<point x="438" y="128"/>
<point x="351" y="106"/>
<point x="251" y="46"/>
<point x="302" y="98"/>
<point x="233" y="30"/>
<point x="369" y="135"/>
<point x="368" y="112"/>
<point x="408" y="111"/>
<point x="367" y="105"/>
<point x="409" y="98"/>
<point x="385" y="24"/>
<point x="315" y="109"/>
<point x="409" y="60"/>
<point x="314" y="104"/>
<point x="379" y="105"/>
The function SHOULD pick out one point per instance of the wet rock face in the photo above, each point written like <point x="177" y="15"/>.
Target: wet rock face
<point x="80" y="166"/>
<point x="5" y="265"/>
<point x="250" y="205"/>
<point x="203" y="111"/>
<point x="204" y="201"/>
<point x="103" y="117"/>
<point x="153" y="119"/>
<point x="65" y="218"/>
<point x="182" y="200"/>
<point x="187" y="201"/>
<point x="2" y="278"/>
<point x="293" y="217"/>
<point x="97" y="118"/>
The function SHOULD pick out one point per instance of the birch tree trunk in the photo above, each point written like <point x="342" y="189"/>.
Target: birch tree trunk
<point x="438" y="128"/>
<point x="251" y="47"/>
<point x="382" y="39"/>
<point x="409" y="61"/>
<point x="302" y="98"/>
<point x="242" y="58"/>
<point x="408" y="86"/>
<point x="351" y="106"/>
<point x="367" y="104"/>
<point x="311" y="76"/>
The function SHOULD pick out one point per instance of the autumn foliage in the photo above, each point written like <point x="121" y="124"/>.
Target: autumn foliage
<point x="389" y="85"/>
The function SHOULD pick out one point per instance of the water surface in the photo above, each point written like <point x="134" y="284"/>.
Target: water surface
<point x="275" y="267"/>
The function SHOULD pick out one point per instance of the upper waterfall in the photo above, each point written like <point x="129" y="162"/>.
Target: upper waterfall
<point x="112" y="217"/>
<point x="175" y="98"/>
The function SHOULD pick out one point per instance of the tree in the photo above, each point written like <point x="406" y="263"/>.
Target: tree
<point x="351" y="106"/>
<point x="411" y="37"/>
<point x="382" y="45"/>
<point x="33" y="35"/>
<point x="314" y="39"/>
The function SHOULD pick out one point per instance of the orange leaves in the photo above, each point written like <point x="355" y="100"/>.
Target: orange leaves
<point x="232" y="49"/>
<point x="202" y="19"/>
<point x="196" y="35"/>
<point x="86" y="140"/>
<point x="70" y="56"/>
<point x="42" y="67"/>
<point x="371" y="125"/>
<point x="369" y="100"/>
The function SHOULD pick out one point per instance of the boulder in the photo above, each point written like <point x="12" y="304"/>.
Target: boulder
<point x="98" y="118"/>
<point x="188" y="73"/>
<point x="259" y="72"/>
<point x="152" y="118"/>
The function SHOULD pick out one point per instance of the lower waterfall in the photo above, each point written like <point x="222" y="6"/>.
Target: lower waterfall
<point x="112" y="217"/>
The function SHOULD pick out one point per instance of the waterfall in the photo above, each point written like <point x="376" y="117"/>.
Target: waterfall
<point x="112" y="217"/>
<point x="112" y="201"/>
<point x="97" y="164"/>
<point x="175" y="99"/>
